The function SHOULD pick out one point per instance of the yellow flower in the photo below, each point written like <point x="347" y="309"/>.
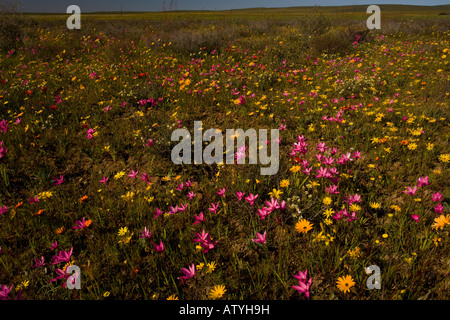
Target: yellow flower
<point x="354" y="207"/>
<point x="396" y="208"/>
<point x="328" y="213"/>
<point x="295" y="169"/>
<point x="200" y="266"/>
<point x="375" y="205"/>
<point x="275" y="193"/>
<point x="345" y="283"/>
<point x="303" y="226"/>
<point x="106" y="294"/>
<point x="284" y="183"/>
<point x="327" y="200"/>
<point x="430" y="146"/>
<point x="354" y="253"/>
<point x="444" y="157"/>
<point x="385" y="235"/>
<point x="412" y="146"/>
<point x="119" y="175"/>
<point x="173" y="297"/>
<point x="123" y="231"/>
<point x="211" y="267"/>
<point x="441" y="221"/>
<point x="217" y="292"/>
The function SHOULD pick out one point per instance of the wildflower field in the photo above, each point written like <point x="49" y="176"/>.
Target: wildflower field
<point x="87" y="180"/>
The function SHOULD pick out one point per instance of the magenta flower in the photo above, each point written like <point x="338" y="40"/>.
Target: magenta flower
<point x="159" y="247"/>
<point x="180" y="187"/>
<point x="188" y="273"/>
<point x="301" y="276"/>
<point x="332" y="189"/>
<point x="214" y="207"/>
<point x="183" y="207"/>
<point x="145" y="177"/>
<point x="439" y="208"/>
<point x="191" y="195"/>
<point x="436" y="197"/>
<point x="3" y="151"/>
<point x="199" y="218"/>
<point x="38" y="263"/>
<point x="173" y="210"/>
<point x="58" y="181"/>
<point x="357" y="155"/>
<point x="157" y="213"/>
<point x="221" y="192"/>
<point x="104" y="180"/>
<point x="283" y="205"/>
<point x="188" y="183"/>
<point x="322" y="172"/>
<point x="260" y="238"/>
<point x="63" y="256"/>
<point x="411" y="191"/>
<point x="251" y="198"/>
<point x="240" y="195"/>
<point x="303" y="287"/>
<point x="321" y="147"/>
<point x="264" y="212"/>
<point x="80" y="224"/>
<point x="3" y="126"/>
<point x="272" y="204"/>
<point x="145" y="233"/>
<point x="149" y="143"/>
<point x="33" y="200"/>
<point x="4" y="291"/>
<point x="54" y="245"/>
<point x="133" y="174"/>
<point x="422" y="181"/>
<point x="415" y="217"/>
<point x="3" y="209"/>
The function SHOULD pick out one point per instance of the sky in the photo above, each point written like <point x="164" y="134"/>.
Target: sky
<point x="60" y="6"/>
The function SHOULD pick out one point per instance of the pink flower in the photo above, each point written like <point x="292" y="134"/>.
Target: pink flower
<point x="264" y="212"/>
<point x="157" y="213"/>
<point x="145" y="233"/>
<point x="260" y="238"/>
<point x="436" y="197"/>
<point x="104" y="180"/>
<point x="332" y="189"/>
<point x="173" y="210"/>
<point x="199" y="218"/>
<point x="159" y="247"/>
<point x="221" y="192"/>
<point x="149" y="143"/>
<point x="38" y="263"/>
<point x="439" y="208"/>
<point x="272" y="204"/>
<point x="3" y="151"/>
<point x="133" y="174"/>
<point x="411" y="191"/>
<point x="322" y="172"/>
<point x="180" y="187"/>
<point x="240" y="195"/>
<point x="63" y="256"/>
<point x="301" y="276"/>
<point x="214" y="207"/>
<point x="33" y="200"/>
<point x="357" y="155"/>
<point x="3" y="209"/>
<point x="183" y="207"/>
<point x="303" y="287"/>
<point x="4" y="291"/>
<point x="191" y="195"/>
<point x="54" y="245"/>
<point x="251" y="198"/>
<point x="188" y="273"/>
<point x="80" y="224"/>
<point x="422" y="181"/>
<point x="58" y="181"/>
<point x="321" y="147"/>
<point x="415" y="217"/>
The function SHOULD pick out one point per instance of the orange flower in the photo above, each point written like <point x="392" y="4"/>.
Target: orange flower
<point x="39" y="212"/>
<point x="19" y="205"/>
<point x="383" y="140"/>
<point x="404" y="142"/>
<point x="60" y="230"/>
<point x="83" y="198"/>
<point x="87" y="223"/>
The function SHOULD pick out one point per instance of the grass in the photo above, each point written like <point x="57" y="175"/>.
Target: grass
<point x="135" y="77"/>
